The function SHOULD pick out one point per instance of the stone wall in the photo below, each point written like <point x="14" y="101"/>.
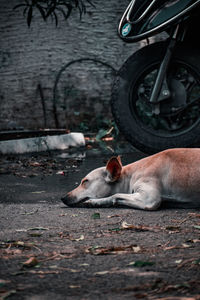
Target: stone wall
<point x="31" y="61"/>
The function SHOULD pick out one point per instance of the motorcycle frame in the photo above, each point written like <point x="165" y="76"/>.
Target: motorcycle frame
<point x="155" y="30"/>
<point x="160" y="89"/>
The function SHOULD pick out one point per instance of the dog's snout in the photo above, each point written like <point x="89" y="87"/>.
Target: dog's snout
<point x="68" y="200"/>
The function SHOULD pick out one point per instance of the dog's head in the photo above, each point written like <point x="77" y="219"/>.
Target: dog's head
<point x="97" y="184"/>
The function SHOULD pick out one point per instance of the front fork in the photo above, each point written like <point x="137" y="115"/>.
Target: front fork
<point x="161" y="90"/>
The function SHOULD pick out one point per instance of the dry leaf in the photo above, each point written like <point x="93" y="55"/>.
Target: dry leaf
<point x="178" y="298"/>
<point x="196" y="215"/>
<point x="4" y="282"/>
<point x="79" y="239"/>
<point x="37" y="228"/>
<point x="137" y="227"/>
<point x="60" y="173"/>
<point x="178" y="261"/>
<point x="186" y="245"/>
<point x="6" y="294"/>
<point x="113" y="216"/>
<point x="136" y="249"/>
<point x="101" y="273"/>
<point x="31" y="262"/>
<point x="34" y="164"/>
<point x="113" y="250"/>
<point x="13" y="251"/>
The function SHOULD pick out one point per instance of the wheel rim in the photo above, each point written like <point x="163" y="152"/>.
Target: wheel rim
<point x="182" y="79"/>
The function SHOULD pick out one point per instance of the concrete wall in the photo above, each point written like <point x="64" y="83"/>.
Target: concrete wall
<point x="30" y="57"/>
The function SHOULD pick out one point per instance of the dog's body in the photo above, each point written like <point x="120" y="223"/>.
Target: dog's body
<point x="173" y="174"/>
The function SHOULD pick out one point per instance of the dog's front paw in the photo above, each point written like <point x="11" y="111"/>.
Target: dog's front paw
<point x="87" y="203"/>
<point x="92" y="203"/>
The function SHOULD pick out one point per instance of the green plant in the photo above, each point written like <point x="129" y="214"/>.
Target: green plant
<point x="51" y="8"/>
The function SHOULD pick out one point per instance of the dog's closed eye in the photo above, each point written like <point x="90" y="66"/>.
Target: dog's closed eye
<point x="84" y="182"/>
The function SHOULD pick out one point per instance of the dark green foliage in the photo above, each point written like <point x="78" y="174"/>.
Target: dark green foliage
<point x="52" y="8"/>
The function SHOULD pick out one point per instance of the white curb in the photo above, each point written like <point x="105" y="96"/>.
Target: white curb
<point x="38" y="144"/>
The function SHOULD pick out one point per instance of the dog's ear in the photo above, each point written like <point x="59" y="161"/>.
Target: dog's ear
<point x="113" y="168"/>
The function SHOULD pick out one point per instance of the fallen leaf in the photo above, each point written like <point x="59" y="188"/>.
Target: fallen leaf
<point x="53" y="267"/>
<point x="30" y="213"/>
<point x="22" y="244"/>
<point x="113" y="216"/>
<point x="136" y="249"/>
<point x="196" y="262"/>
<point x="34" y="164"/>
<point x="91" y="249"/>
<point x="18" y="273"/>
<point x="178" y="261"/>
<point x="95" y="216"/>
<point x="19" y="243"/>
<point x="102" y="133"/>
<point x="40" y="272"/>
<point x="5" y="295"/>
<point x="73" y="270"/>
<point x="126" y="225"/>
<point x="35" y="234"/>
<point x="184" y="245"/>
<point x="115" y="229"/>
<point x="84" y="265"/>
<point x="81" y="238"/>
<point x="196" y="215"/>
<point x="193" y="241"/>
<point x="60" y="173"/>
<point x="101" y="273"/>
<point x="196" y="226"/>
<point x="31" y="262"/>
<point x="140" y="263"/>
<point x="137" y="227"/>
<point x="23" y="287"/>
<point x="112" y="250"/>
<point x="37" y="228"/>
<point x="4" y="282"/>
<point x="178" y="298"/>
<point x="172" y="228"/>
<point x="13" y="251"/>
<point x="186" y="262"/>
<point x="74" y="286"/>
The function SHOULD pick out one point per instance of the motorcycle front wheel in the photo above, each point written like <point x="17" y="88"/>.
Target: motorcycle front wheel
<point x="178" y="124"/>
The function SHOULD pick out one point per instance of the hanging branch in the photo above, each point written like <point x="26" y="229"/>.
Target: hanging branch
<point x="52" y="7"/>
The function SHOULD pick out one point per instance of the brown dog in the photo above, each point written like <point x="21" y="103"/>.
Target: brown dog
<point x="171" y="174"/>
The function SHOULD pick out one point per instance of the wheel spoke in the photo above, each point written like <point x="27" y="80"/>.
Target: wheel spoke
<point x="174" y="118"/>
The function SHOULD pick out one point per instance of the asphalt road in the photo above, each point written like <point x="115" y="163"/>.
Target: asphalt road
<point x="50" y="251"/>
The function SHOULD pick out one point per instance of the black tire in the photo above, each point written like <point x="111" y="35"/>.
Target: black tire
<point x="125" y="89"/>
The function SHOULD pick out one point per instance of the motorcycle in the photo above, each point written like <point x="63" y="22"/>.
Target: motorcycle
<point x="156" y="93"/>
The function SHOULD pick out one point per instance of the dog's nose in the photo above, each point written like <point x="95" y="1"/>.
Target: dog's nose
<point x="65" y="199"/>
<point x="69" y="200"/>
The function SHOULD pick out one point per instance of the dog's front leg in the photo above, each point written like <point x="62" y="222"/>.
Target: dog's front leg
<point x="128" y="200"/>
<point x="146" y="197"/>
<point x="139" y="201"/>
<point x="101" y="202"/>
